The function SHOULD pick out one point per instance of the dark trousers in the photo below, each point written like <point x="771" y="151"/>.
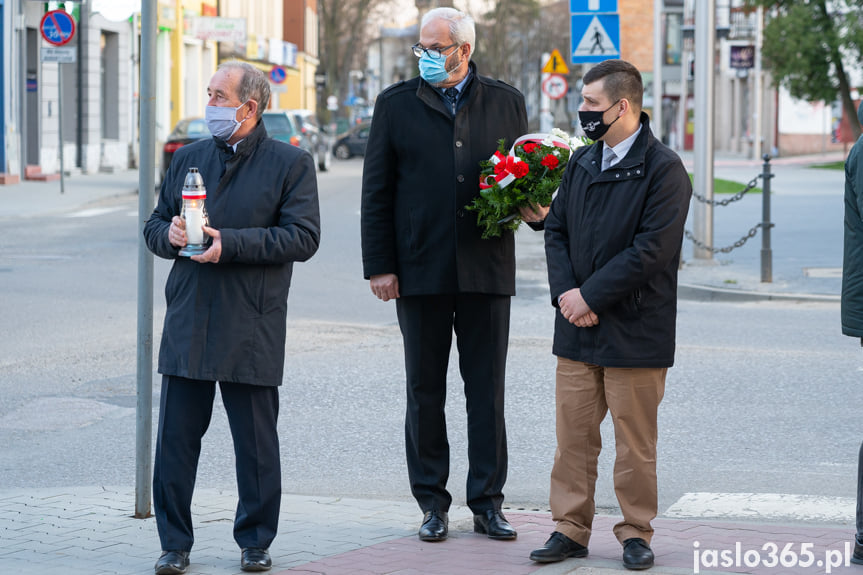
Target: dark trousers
<point x="186" y="406"/>
<point x="481" y="324"/>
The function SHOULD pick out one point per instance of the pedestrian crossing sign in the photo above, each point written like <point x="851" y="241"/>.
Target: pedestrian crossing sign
<point x="595" y="37"/>
<point x="555" y="64"/>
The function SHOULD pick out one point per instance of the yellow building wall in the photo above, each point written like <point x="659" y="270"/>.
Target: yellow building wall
<point x="185" y="8"/>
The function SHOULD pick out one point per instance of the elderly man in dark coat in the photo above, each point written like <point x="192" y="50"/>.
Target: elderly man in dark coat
<point x="423" y="249"/>
<point x="226" y="315"/>
<point x="852" y="288"/>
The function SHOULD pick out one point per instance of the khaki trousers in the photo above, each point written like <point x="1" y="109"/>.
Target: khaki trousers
<point x="584" y="394"/>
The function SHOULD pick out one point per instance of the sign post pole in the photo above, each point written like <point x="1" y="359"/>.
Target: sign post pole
<point x="60" y="126"/>
<point x="58" y="29"/>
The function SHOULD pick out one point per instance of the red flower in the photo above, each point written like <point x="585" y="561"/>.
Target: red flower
<point x="550" y="161"/>
<point x="500" y="167"/>
<point x="529" y="147"/>
<point x="517" y="169"/>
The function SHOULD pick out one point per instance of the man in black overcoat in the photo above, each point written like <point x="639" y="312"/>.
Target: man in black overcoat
<point x="612" y="242"/>
<point x="422" y="248"/>
<point x="227" y="308"/>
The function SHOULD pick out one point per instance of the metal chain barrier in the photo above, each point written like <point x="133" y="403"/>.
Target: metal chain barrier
<point x="739" y="195"/>
<point x="726" y="249"/>
<point x="765" y="224"/>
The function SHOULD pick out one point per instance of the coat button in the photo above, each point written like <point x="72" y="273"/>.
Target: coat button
<point x="460" y="213"/>
<point x="458" y="144"/>
<point x="617" y="175"/>
<point x="460" y="178"/>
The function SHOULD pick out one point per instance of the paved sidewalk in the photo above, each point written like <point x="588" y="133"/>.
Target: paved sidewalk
<point x="90" y="530"/>
<point x="29" y="198"/>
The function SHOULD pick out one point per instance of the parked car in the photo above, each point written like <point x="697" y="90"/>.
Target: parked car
<point x="282" y="126"/>
<point x="185" y="132"/>
<point x="320" y="139"/>
<point x="353" y="142"/>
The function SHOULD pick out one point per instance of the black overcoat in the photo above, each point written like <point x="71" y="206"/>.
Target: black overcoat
<point x="421" y="170"/>
<point x="227" y="321"/>
<point x="617" y="235"/>
<point x="852" y="263"/>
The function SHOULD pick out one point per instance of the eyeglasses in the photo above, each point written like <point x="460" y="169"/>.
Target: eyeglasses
<point x="435" y="53"/>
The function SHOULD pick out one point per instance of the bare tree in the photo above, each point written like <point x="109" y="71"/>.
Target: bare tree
<point x="343" y="32"/>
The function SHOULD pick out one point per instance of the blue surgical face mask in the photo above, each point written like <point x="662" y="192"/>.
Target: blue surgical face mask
<point x="222" y="122"/>
<point x="434" y="70"/>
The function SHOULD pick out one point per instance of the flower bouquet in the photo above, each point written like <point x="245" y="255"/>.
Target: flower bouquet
<point x="526" y="175"/>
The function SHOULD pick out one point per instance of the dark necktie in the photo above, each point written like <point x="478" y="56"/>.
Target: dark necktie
<point x="451" y="95"/>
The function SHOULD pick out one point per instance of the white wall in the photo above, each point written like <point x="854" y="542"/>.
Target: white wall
<point x="799" y="117"/>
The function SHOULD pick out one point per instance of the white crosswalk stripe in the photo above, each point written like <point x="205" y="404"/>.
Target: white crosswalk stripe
<point x="766" y="506"/>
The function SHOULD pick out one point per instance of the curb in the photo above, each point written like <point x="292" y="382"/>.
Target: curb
<point x="697" y="292"/>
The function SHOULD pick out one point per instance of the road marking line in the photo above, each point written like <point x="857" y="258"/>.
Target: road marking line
<point x="764" y="506"/>
<point x="92" y="212"/>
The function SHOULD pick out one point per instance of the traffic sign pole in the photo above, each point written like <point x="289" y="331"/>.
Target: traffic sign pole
<point x="58" y="28"/>
<point x="60" y="127"/>
<point x="546" y="120"/>
<point x="705" y="25"/>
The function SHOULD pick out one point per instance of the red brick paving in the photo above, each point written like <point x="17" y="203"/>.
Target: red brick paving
<point x="467" y="553"/>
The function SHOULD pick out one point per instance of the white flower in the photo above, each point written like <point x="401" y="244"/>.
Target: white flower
<point x="576" y="142"/>
<point x="560" y="134"/>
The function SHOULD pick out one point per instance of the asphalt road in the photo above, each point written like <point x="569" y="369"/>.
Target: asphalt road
<point x="764" y="397"/>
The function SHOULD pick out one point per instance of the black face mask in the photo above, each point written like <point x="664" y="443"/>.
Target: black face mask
<point x="592" y="123"/>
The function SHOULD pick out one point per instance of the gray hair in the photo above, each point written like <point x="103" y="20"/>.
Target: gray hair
<point x="461" y="26"/>
<point x="253" y="84"/>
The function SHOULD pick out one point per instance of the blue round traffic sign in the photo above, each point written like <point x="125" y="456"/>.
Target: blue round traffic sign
<point x="57" y="27"/>
<point x="278" y="74"/>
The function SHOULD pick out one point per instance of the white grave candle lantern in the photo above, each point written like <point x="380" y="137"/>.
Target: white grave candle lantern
<point x="194" y="195"/>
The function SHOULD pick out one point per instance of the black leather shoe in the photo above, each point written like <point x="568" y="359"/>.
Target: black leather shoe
<point x="857" y="557"/>
<point x="493" y="523"/>
<point x="637" y="554"/>
<point x="254" y="559"/>
<point x="434" y="527"/>
<point x="172" y="563"/>
<point x="557" y="548"/>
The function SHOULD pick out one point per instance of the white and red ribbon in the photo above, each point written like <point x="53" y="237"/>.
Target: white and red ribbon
<point x="504" y="178"/>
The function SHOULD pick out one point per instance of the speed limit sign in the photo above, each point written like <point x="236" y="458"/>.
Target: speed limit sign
<point x="555" y="86"/>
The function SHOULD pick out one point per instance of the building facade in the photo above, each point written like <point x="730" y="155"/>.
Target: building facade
<point x="301" y="30"/>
